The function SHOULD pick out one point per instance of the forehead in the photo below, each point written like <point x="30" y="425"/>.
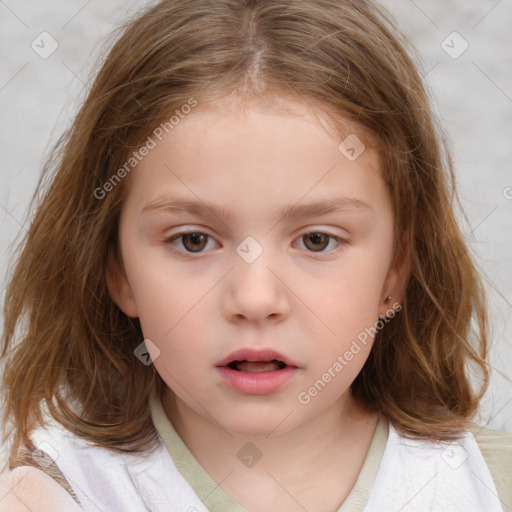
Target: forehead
<point x="255" y="155"/>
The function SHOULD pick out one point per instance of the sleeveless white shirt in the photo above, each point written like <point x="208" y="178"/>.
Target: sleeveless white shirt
<point x="426" y="476"/>
<point x="413" y="476"/>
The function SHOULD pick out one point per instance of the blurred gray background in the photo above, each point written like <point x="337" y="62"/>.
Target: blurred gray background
<point x="465" y="54"/>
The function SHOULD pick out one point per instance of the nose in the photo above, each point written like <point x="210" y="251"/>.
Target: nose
<point x="257" y="291"/>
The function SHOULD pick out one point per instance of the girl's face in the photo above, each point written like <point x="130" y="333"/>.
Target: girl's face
<point x="288" y="255"/>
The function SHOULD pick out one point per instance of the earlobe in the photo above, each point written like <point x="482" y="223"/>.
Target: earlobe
<point x="119" y="287"/>
<point x="398" y="275"/>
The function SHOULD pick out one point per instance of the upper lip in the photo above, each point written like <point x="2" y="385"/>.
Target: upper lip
<point x="251" y="354"/>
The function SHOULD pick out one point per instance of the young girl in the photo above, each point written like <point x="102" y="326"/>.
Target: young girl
<point x="244" y="288"/>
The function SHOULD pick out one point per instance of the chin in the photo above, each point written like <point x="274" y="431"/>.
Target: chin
<point x="257" y="423"/>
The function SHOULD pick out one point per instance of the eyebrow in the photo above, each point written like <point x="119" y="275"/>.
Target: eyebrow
<point x="176" y="205"/>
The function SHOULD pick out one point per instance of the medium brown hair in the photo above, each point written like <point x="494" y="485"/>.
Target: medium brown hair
<point x="66" y="342"/>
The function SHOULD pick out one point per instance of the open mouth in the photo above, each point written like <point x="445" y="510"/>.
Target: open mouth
<point x="256" y="372"/>
<point x="257" y="366"/>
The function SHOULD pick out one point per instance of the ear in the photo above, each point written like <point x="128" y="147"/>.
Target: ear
<point x="119" y="287"/>
<point x="398" y="275"/>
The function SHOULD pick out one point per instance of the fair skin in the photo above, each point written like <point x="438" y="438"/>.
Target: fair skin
<point x="307" y="298"/>
<point x="26" y="488"/>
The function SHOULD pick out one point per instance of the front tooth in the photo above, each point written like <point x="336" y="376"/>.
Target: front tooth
<point x="257" y="366"/>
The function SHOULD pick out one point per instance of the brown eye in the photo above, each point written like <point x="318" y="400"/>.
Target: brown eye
<point x="322" y="243"/>
<point x="190" y="242"/>
<point x="194" y="242"/>
<point x="316" y="241"/>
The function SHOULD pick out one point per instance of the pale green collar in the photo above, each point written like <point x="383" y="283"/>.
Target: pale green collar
<point x="217" y="500"/>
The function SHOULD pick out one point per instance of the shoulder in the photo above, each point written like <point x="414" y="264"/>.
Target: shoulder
<point x="496" y="448"/>
<point x="30" y="488"/>
<point x="488" y="437"/>
<point x="457" y="473"/>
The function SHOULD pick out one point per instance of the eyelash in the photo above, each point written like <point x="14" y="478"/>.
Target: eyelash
<point x="181" y="234"/>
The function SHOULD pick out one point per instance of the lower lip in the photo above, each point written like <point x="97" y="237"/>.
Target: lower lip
<point x="257" y="383"/>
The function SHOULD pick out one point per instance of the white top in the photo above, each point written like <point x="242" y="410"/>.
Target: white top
<point x="413" y="475"/>
<point x="425" y="476"/>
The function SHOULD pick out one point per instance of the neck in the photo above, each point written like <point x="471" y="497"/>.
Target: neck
<point x="341" y="431"/>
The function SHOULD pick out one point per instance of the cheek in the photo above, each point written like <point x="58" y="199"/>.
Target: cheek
<point x="172" y="313"/>
<point x="347" y="308"/>
<point x="166" y="311"/>
<point x="186" y="348"/>
<point x="349" y="300"/>
<point x="174" y="330"/>
<point x="161" y="297"/>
